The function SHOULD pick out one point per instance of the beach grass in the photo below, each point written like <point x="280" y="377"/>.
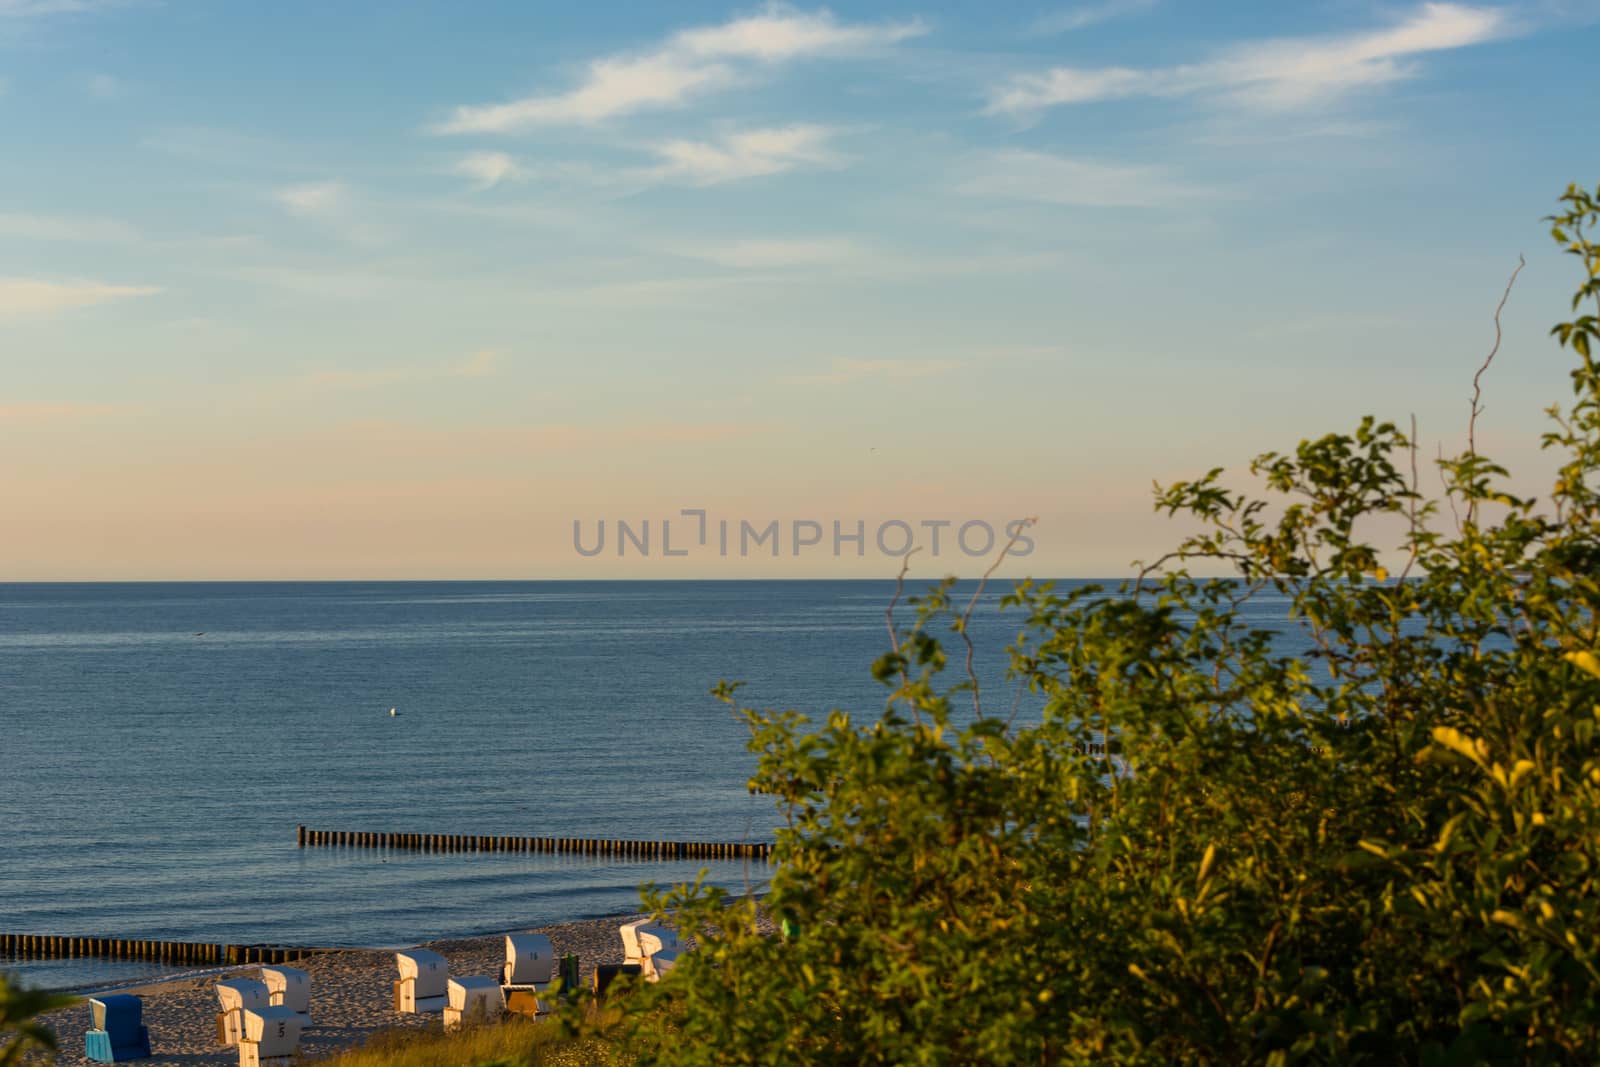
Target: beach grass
<point x="516" y="1042"/>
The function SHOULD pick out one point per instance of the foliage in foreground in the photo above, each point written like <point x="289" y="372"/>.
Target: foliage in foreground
<point x="1383" y="852"/>
<point x="20" y="1030"/>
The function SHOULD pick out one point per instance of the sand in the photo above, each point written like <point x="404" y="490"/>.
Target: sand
<point x="351" y="995"/>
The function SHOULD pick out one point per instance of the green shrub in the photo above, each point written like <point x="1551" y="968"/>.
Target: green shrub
<point x="1383" y="852"/>
<point x="20" y="1029"/>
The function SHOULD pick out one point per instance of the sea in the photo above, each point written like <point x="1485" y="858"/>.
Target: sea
<point x="160" y="743"/>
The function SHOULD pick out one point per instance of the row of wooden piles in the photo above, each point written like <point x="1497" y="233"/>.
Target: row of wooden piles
<point x="583" y="846"/>
<point x="51" y="947"/>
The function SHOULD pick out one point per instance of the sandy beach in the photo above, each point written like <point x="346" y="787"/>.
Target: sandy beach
<point x="351" y="995"/>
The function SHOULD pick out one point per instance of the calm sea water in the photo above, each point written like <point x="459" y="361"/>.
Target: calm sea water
<point x="159" y="743"/>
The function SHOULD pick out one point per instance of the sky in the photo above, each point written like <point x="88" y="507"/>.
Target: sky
<point x="699" y="290"/>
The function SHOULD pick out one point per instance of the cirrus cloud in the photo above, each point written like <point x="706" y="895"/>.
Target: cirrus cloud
<point x="689" y="63"/>
<point x="747" y="154"/>
<point x="28" y="297"/>
<point x="1276" y="74"/>
<point x="488" y="169"/>
<point x="1085" y="15"/>
<point x="313" y="199"/>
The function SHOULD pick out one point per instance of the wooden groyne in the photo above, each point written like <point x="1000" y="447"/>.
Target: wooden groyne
<point x="583" y="846"/>
<point x="182" y="953"/>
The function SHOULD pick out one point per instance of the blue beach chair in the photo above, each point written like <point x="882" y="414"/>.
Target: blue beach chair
<point x="119" y="1033"/>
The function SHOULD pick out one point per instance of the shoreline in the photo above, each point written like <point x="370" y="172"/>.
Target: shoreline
<point x="351" y="995"/>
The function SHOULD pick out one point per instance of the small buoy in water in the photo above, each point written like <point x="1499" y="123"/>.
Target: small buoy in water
<point x="392" y="712"/>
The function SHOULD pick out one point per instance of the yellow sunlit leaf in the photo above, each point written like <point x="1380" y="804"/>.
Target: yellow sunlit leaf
<point x="1584" y="661"/>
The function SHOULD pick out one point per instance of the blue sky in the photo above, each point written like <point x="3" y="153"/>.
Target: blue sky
<point x="403" y="290"/>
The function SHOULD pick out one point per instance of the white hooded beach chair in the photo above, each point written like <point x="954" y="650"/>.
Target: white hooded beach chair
<point x="290" y="987"/>
<point x="641" y="941"/>
<point x="236" y="996"/>
<point x="423" y="977"/>
<point x="529" y="971"/>
<point x="473" y="999"/>
<point x="271" y="1036"/>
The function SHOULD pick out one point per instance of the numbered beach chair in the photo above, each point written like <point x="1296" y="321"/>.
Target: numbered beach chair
<point x="271" y="1036"/>
<point x="236" y="996"/>
<point x="423" y="977"/>
<point x="528" y="973"/>
<point x="474" y="999"/>
<point x="117" y="1033"/>
<point x="290" y="987"/>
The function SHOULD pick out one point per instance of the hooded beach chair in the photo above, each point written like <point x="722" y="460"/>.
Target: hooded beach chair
<point x="641" y="940"/>
<point x="271" y="1036"/>
<point x="290" y="987"/>
<point x="236" y="996"/>
<point x="529" y="971"/>
<point x="118" y="1033"/>
<point x="423" y="977"/>
<point x="475" y="998"/>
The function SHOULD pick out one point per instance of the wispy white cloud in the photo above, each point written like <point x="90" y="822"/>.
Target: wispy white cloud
<point x="28" y="297"/>
<point x="488" y="169"/>
<point x="690" y="63"/>
<point x="747" y="154"/>
<point x="829" y="259"/>
<point x="62" y="228"/>
<point x="313" y="199"/>
<point x="1280" y="74"/>
<point x="1082" y="16"/>
<point x="480" y="365"/>
<point x="330" y="204"/>
<point x="1070" y="85"/>
<point x="782" y="33"/>
<point x="1292" y="72"/>
<point x="613" y="87"/>
<point x="729" y="155"/>
<point x="849" y="371"/>
<point x="1051" y="179"/>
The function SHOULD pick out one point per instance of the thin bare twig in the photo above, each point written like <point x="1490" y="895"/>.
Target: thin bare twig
<point x="1477" y="391"/>
<point x="977" y="705"/>
<point x="894" y="636"/>
<point x="1016" y="705"/>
